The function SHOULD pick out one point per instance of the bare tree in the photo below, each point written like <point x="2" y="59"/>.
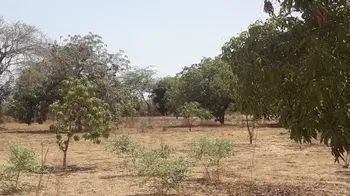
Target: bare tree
<point x="19" y="43"/>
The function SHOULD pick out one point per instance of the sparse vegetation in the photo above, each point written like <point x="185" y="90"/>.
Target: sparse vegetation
<point x="291" y="69"/>
<point x="157" y="166"/>
<point x="191" y="111"/>
<point x="21" y="160"/>
<point x="161" y="170"/>
<point x="210" y="154"/>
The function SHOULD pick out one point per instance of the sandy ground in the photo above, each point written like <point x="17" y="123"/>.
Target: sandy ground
<point x="273" y="162"/>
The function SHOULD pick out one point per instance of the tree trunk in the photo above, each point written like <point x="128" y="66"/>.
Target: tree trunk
<point x="65" y="154"/>
<point x="250" y="130"/>
<point x="79" y="125"/>
<point x="148" y="109"/>
<point x="222" y="118"/>
<point x="65" y="159"/>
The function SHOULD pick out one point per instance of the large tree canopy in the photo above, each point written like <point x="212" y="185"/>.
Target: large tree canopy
<point x="158" y="94"/>
<point x="77" y="57"/>
<point x="210" y="83"/>
<point x="297" y="69"/>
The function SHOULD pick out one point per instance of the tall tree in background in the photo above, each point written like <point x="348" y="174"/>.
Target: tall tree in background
<point x="76" y="57"/>
<point x="211" y="84"/>
<point x="20" y="44"/>
<point x="141" y="82"/>
<point x="159" y="92"/>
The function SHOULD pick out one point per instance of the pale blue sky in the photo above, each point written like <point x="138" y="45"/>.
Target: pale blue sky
<point x="169" y="34"/>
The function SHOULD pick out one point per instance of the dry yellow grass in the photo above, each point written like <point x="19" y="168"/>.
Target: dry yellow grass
<point x="274" y="160"/>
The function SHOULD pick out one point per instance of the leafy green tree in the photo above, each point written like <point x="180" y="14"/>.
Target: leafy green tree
<point x="158" y="94"/>
<point x="79" y="103"/>
<point x="192" y="110"/>
<point x="29" y="99"/>
<point x="174" y="97"/>
<point x="77" y="57"/>
<point x="300" y="70"/>
<point x="210" y="83"/>
<point x="140" y="82"/>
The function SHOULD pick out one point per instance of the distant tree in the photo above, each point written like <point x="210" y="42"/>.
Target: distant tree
<point x="193" y="110"/>
<point x="20" y="44"/>
<point x="140" y="82"/>
<point x="79" y="102"/>
<point x="210" y="83"/>
<point x="158" y="94"/>
<point x="77" y="57"/>
<point x="174" y="97"/>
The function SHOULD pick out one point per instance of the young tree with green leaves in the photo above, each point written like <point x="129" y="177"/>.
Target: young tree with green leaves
<point x="79" y="102"/>
<point x="193" y="110"/>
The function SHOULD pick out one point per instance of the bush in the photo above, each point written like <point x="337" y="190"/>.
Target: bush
<point x="123" y="145"/>
<point x="193" y="109"/>
<point x="22" y="160"/>
<point x="210" y="153"/>
<point x="161" y="170"/>
<point x="156" y="166"/>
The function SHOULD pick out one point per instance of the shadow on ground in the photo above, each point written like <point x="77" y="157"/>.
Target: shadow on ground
<point x="265" y="125"/>
<point x="28" y="131"/>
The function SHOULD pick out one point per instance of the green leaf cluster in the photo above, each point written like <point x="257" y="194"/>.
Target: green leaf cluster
<point x="210" y="152"/>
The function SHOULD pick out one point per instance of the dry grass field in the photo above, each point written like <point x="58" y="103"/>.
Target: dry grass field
<point x="274" y="165"/>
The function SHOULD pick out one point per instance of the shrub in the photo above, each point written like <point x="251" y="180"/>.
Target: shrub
<point x="193" y="109"/>
<point x="210" y="153"/>
<point x="123" y="145"/>
<point x="22" y="160"/>
<point x="156" y="166"/>
<point x="161" y="170"/>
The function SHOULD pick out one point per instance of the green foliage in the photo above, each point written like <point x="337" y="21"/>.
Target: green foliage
<point x="75" y="57"/>
<point x="22" y="160"/>
<point x="20" y="43"/>
<point x="161" y="170"/>
<point x="192" y="110"/>
<point x="158" y="95"/>
<point x="210" y="153"/>
<point x="123" y="145"/>
<point x="80" y="109"/>
<point x="29" y="103"/>
<point x="210" y="83"/>
<point x="296" y="70"/>
<point x="157" y="166"/>
<point x="174" y="96"/>
<point x="140" y="81"/>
